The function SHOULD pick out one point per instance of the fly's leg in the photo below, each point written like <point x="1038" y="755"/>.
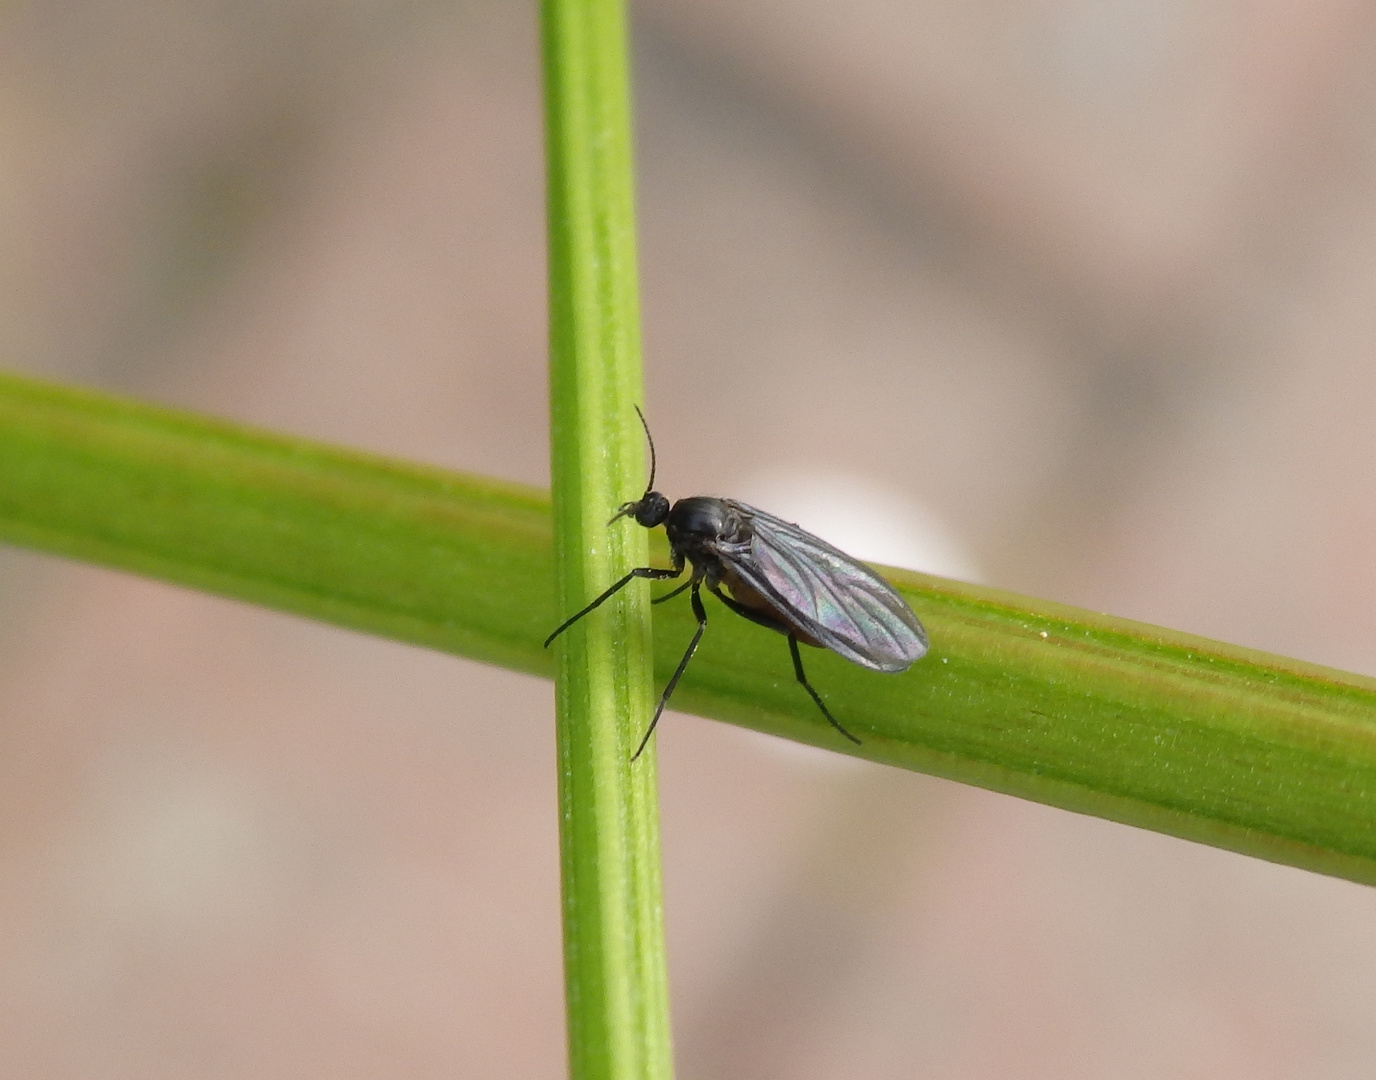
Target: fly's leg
<point x="701" y="613"/>
<point x="798" y="671"/>
<point x="759" y="618"/>
<point x="651" y="572"/>
<point x="765" y="619"/>
<point x="671" y="595"/>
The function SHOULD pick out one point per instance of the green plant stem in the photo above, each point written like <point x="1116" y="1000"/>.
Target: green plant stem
<point x="1255" y="753"/>
<point x="614" y="952"/>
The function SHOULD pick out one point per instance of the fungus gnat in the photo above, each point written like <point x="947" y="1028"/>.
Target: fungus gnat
<point x="779" y="576"/>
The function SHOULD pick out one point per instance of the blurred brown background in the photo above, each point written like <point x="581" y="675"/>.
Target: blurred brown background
<point x="1072" y="296"/>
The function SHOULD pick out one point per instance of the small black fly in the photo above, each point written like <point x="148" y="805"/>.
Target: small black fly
<point x="779" y="576"/>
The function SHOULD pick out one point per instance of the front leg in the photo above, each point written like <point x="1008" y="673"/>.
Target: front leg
<point x="653" y="573"/>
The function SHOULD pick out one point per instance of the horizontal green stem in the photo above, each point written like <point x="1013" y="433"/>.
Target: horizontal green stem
<point x="1231" y="747"/>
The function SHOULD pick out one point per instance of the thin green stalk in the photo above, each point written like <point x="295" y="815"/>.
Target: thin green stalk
<point x="1231" y="747"/>
<point x="614" y="953"/>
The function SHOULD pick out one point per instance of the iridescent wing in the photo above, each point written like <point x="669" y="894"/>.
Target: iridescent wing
<point x="826" y="594"/>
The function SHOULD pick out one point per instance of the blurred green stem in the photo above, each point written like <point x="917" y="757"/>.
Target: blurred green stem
<point x="614" y="961"/>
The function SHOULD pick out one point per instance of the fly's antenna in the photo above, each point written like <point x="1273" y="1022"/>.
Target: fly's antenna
<point x="639" y="506"/>
<point x="649" y="439"/>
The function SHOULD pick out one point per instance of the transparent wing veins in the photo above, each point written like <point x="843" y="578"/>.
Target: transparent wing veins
<point x="828" y="595"/>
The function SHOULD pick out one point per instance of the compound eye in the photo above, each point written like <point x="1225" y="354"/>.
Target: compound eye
<point x="652" y="511"/>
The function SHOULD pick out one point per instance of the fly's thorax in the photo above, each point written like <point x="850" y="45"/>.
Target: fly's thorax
<point x="702" y="523"/>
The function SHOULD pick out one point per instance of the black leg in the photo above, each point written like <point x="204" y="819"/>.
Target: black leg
<point x="755" y="615"/>
<point x="701" y="614"/>
<point x="798" y="671"/>
<point x="671" y="595"/>
<point x="651" y="572"/>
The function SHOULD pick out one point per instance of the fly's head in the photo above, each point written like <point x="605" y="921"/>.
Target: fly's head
<point x="649" y="510"/>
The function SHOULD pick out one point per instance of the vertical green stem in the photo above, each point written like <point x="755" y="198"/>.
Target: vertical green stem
<point x="609" y="830"/>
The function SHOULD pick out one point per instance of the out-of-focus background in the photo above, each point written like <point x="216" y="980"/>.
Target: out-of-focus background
<point x="1072" y="297"/>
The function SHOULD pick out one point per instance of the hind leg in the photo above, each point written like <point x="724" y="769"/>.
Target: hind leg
<point x="798" y="672"/>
